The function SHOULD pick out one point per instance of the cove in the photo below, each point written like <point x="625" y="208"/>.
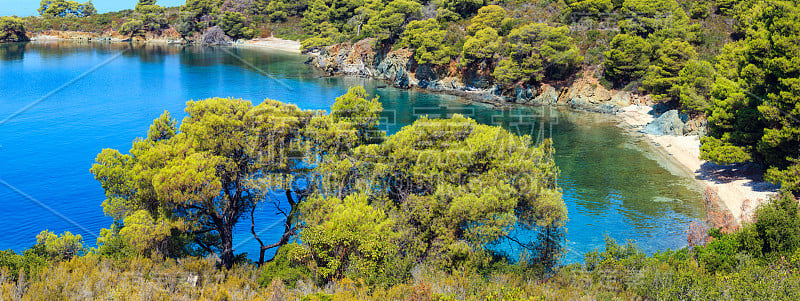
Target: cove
<point x="61" y="103"/>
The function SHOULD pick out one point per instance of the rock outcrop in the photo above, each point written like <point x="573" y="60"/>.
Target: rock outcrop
<point x="396" y="66"/>
<point x="674" y="123"/>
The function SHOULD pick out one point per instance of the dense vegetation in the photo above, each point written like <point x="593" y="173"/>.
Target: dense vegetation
<point x="759" y="261"/>
<point x="12" y="30"/>
<point x="439" y="191"/>
<point x="63" y="8"/>
<point x="754" y="116"/>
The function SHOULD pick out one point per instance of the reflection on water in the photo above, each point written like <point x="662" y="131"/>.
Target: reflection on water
<point x="12" y="51"/>
<point x="612" y="183"/>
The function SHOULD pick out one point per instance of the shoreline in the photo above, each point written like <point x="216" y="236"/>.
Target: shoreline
<point x="270" y="43"/>
<point x="739" y="188"/>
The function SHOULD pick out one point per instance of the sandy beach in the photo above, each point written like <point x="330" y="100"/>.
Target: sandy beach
<point x="272" y="44"/>
<point x="734" y="185"/>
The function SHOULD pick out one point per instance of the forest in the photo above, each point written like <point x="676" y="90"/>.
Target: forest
<point x="416" y="215"/>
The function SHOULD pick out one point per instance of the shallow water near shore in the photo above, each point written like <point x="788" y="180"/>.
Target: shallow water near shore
<point x="90" y="96"/>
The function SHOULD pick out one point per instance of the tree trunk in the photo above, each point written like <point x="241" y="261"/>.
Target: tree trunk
<point x="226" y="256"/>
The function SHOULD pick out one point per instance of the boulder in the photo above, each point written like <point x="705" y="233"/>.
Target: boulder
<point x="669" y="123"/>
<point x="697" y="126"/>
<point x="585" y="95"/>
<point x="621" y="99"/>
<point x="401" y="80"/>
<point x="547" y="96"/>
<point x="425" y="72"/>
<point x="390" y="65"/>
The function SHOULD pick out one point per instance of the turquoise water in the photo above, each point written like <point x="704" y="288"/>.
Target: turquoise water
<point x="62" y="102"/>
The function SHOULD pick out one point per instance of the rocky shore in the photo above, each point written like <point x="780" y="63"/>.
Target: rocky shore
<point x="399" y="68"/>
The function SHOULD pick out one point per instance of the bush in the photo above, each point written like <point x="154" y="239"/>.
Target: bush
<point x="428" y="41"/>
<point x="64" y="246"/>
<point x="288" y="266"/>
<point x="12" y="29"/>
<point x="234" y="26"/>
<point x="627" y="59"/>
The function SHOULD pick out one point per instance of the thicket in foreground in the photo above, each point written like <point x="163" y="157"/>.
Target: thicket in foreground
<point x="441" y="191"/>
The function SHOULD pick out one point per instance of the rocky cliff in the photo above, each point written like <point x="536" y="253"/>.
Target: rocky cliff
<point x="399" y="68"/>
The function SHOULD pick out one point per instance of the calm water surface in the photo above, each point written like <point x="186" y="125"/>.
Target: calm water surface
<point x="92" y="96"/>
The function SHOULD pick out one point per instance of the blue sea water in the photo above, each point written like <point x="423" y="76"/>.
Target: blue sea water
<point x="61" y="103"/>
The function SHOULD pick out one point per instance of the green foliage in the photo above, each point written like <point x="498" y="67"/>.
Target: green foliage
<point x="143" y="4"/>
<point x="700" y="9"/>
<point x="145" y="234"/>
<point x="63" y="247"/>
<point x="490" y="16"/>
<point x="200" y="8"/>
<point x="657" y="19"/>
<point x="452" y="190"/>
<point x="328" y="35"/>
<point x="578" y="9"/>
<point x="279" y="10"/>
<point x="288" y="265"/>
<point x="357" y="109"/>
<point x="756" y="106"/>
<point x="187" y="27"/>
<point x="149" y="17"/>
<point x="111" y="244"/>
<point x="336" y="12"/>
<point x="12" y="29"/>
<point x="726" y="7"/>
<point x="662" y="78"/>
<point x="317" y="14"/>
<point x="789" y="177"/>
<point x="694" y="86"/>
<point x="775" y="228"/>
<point x="721" y="152"/>
<point x="720" y="253"/>
<point x="188" y="182"/>
<point x="14" y="265"/>
<point x="771" y="236"/>
<point x="444" y="15"/>
<point x="482" y="46"/>
<point x="132" y="28"/>
<point x="428" y="41"/>
<point x="388" y="22"/>
<point x="627" y="59"/>
<point x="348" y="237"/>
<point x="234" y="25"/>
<point x="63" y="8"/>
<point x="96" y="23"/>
<point x="464" y="8"/>
<point x="536" y="51"/>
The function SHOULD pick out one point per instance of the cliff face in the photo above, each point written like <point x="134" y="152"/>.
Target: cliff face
<point x="396" y="66"/>
<point x="399" y="68"/>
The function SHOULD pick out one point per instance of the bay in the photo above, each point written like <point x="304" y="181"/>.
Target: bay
<point x="61" y="103"/>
